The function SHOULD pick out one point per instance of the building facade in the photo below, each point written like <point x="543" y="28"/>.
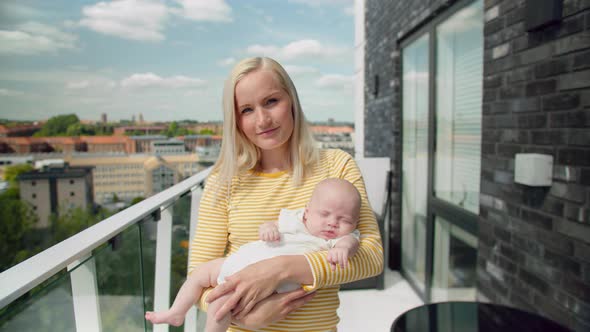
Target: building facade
<point x="54" y="188"/>
<point x="129" y="176"/>
<point x="453" y="91"/>
<point x="334" y="137"/>
<point x="168" y="147"/>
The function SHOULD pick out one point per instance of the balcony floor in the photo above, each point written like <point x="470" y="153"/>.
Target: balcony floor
<point x="375" y="310"/>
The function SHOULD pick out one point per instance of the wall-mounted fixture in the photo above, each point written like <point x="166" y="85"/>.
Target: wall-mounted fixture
<point x="533" y="169"/>
<point x="376" y="86"/>
<point x="541" y="13"/>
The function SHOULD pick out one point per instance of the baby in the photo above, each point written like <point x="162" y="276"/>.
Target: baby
<point x="328" y="222"/>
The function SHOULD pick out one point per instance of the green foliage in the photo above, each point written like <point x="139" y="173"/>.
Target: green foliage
<point x="78" y="129"/>
<point x="58" y="125"/>
<point x="175" y="130"/>
<point x="69" y="125"/>
<point x="136" y="133"/>
<point x="16" y="219"/>
<point x="12" y="172"/>
<point x="136" y="200"/>
<point x="206" y="131"/>
<point x="71" y="221"/>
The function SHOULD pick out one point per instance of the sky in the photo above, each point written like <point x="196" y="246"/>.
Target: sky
<point x="167" y="59"/>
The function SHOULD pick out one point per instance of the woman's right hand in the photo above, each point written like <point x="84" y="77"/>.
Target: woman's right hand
<point x="273" y="308"/>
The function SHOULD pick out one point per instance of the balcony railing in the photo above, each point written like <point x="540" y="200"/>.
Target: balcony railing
<point x="104" y="278"/>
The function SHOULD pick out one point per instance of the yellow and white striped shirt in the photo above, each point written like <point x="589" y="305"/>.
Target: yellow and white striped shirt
<point x="229" y="221"/>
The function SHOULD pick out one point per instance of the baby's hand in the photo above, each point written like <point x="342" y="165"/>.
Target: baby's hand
<point x="338" y="256"/>
<point x="269" y="232"/>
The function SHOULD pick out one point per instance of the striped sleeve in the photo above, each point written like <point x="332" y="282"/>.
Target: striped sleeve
<point x="368" y="261"/>
<point x="211" y="235"/>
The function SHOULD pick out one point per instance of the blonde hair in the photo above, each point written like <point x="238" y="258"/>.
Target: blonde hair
<point x="237" y="152"/>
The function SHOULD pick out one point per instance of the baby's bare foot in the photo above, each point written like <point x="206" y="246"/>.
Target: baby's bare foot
<point x="165" y="317"/>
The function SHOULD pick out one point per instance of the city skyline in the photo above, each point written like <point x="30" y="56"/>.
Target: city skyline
<point x="167" y="60"/>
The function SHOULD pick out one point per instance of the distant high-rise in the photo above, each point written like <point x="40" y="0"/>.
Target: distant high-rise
<point x="133" y="119"/>
<point x="140" y="118"/>
<point x="103" y="118"/>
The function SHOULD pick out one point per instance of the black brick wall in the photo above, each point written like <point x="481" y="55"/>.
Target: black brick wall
<point x="534" y="243"/>
<point x="536" y="88"/>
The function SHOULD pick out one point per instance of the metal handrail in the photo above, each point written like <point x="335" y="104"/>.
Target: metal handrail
<point x="23" y="277"/>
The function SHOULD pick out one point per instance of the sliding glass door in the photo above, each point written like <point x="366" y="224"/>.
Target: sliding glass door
<point x="442" y="91"/>
<point x="415" y="159"/>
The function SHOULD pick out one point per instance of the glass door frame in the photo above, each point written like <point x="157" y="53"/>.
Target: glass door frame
<point x="455" y="215"/>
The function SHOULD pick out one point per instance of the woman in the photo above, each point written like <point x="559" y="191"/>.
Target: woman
<point x="267" y="162"/>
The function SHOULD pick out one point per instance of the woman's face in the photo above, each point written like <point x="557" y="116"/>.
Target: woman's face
<point x="264" y="111"/>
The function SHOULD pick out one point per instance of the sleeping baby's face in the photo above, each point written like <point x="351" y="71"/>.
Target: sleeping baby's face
<point x="333" y="210"/>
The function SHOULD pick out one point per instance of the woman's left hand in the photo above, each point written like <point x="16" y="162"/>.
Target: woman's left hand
<point x="250" y="285"/>
<point x="274" y="308"/>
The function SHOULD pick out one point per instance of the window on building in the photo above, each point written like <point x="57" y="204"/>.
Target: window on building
<point x="459" y="72"/>
<point x="442" y="75"/>
<point x="72" y="193"/>
<point x="33" y="183"/>
<point x="34" y="195"/>
<point x="71" y="181"/>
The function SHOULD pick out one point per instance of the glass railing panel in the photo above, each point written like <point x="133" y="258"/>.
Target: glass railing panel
<point x="120" y="284"/>
<point x="148" y="232"/>
<point x="179" y="251"/>
<point x="48" y="307"/>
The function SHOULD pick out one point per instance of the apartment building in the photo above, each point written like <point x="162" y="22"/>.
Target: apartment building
<point x="92" y="144"/>
<point x="26" y="130"/>
<point x="56" y="187"/>
<point x="334" y="137"/>
<point x="130" y="176"/>
<point x="168" y="147"/>
<point x="107" y="144"/>
<point x="147" y="130"/>
<point x="143" y="144"/>
<point x="207" y="147"/>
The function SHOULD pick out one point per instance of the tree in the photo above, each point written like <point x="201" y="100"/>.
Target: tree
<point x="136" y="200"/>
<point x="70" y="221"/>
<point x="16" y="219"/>
<point x="172" y="129"/>
<point x="206" y="131"/>
<point x="12" y="172"/>
<point x="57" y="125"/>
<point x="78" y="129"/>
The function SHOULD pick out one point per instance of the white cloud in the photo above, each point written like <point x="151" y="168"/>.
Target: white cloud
<point x="10" y="93"/>
<point x="263" y="50"/>
<point x="77" y="85"/>
<point x="145" y="20"/>
<point x="300" y="70"/>
<point x="305" y="48"/>
<point x="318" y="3"/>
<point x="129" y="19"/>
<point x="34" y="38"/>
<point x="226" y="62"/>
<point x="204" y="10"/>
<point x="333" y="81"/>
<point x="149" y="80"/>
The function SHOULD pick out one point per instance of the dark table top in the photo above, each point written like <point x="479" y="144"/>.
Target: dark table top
<point x="472" y="316"/>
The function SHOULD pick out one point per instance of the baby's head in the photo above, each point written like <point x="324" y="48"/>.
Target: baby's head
<point x="333" y="210"/>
